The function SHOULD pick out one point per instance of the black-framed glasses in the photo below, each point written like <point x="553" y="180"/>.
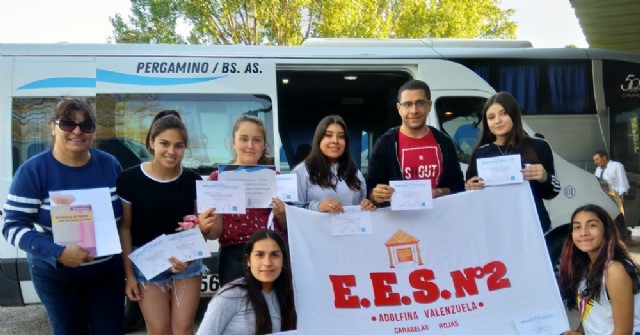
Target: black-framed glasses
<point x="70" y="125"/>
<point x="417" y="103"/>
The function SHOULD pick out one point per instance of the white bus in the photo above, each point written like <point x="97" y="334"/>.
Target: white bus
<point x="292" y="88"/>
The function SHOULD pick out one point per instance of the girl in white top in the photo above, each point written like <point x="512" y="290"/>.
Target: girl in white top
<point x="262" y="301"/>
<point x="599" y="275"/>
<point x="328" y="179"/>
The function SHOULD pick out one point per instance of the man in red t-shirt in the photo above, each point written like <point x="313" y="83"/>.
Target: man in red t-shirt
<point x="413" y="150"/>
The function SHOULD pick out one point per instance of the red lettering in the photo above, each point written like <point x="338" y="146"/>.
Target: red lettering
<point x="496" y="281"/>
<point x="342" y="293"/>
<point x="407" y="173"/>
<point x="383" y="294"/>
<point x="465" y="283"/>
<point x="429" y="291"/>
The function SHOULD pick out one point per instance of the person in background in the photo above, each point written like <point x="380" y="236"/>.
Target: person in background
<point x="249" y="141"/>
<point x="81" y="293"/>
<point x="413" y="150"/>
<point x="599" y="276"/>
<point x="611" y="171"/>
<point x="262" y="301"/>
<point x="155" y="196"/>
<point x="503" y="134"/>
<point x="328" y="179"/>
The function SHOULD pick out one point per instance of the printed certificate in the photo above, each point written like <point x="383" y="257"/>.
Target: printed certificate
<point x="153" y="257"/>
<point x="411" y="195"/>
<point x="353" y="221"/>
<point x="500" y="170"/>
<point x="227" y="197"/>
<point x="85" y="218"/>
<point x="259" y="181"/>
<point x="287" y="187"/>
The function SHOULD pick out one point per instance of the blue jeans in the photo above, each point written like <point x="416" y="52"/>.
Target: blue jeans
<point x="84" y="300"/>
<point x="164" y="279"/>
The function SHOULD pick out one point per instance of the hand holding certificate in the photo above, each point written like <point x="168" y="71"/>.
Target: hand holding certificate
<point x="85" y="218"/>
<point x="411" y="195"/>
<point x="287" y="187"/>
<point x="353" y="221"/>
<point x="153" y="258"/>
<point x="500" y="170"/>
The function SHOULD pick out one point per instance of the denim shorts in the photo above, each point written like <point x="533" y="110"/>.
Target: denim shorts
<point x="195" y="268"/>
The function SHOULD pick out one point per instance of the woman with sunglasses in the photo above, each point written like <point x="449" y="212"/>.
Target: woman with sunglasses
<point x="81" y="293"/>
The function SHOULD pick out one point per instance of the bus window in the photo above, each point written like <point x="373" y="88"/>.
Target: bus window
<point x="124" y="119"/>
<point x="541" y="86"/>
<point x="208" y="118"/>
<point x="460" y="119"/>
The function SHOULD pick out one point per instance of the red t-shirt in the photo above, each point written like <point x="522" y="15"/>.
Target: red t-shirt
<point x="420" y="158"/>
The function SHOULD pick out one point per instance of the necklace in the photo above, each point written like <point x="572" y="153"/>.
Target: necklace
<point x="501" y="152"/>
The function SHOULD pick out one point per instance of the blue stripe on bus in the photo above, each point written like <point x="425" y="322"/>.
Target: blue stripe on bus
<point x="129" y="79"/>
<point x="60" y="82"/>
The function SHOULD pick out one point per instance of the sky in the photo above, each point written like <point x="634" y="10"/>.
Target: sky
<point x="546" y="23"/>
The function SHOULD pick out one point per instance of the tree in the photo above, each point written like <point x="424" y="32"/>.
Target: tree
<point x="289" y="22"/>
<point x="153" y="21"/>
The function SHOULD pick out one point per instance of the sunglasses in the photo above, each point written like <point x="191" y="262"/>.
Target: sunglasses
<point x="70" y="125"/>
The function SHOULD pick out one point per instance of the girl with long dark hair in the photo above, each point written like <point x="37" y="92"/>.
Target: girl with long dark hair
<point x="598" y="274"/>
<point x="262" y="301"/>
<point x="503" y="134"/>
<point x="328" y="178"/>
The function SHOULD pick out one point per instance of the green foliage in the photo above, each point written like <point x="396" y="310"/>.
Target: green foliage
<point x="289" y="22"/>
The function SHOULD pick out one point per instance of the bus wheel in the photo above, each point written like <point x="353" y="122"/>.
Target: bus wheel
<point x="132" y="315"/>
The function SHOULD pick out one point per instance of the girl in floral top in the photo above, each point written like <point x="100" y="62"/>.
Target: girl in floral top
<point x="233" y="230"/>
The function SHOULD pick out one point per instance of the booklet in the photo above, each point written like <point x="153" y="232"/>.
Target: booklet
<point x="85" y="218"/>
<point x="259" y="181"/>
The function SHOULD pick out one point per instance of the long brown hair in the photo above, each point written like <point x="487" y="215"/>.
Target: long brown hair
<point x="576" y="264"/>
<point x="517" y="139"/>
<point x="283" y="287"/>
<point x="319" y="166"/>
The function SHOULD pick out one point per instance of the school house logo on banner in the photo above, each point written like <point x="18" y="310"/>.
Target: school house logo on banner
<point x="465" y="266"/>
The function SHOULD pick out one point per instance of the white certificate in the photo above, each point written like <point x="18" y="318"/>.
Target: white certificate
<point x="153" y="257"/>
<point x="227" y="197"/>
<point x="85" y="218"/>
<point x="188" y="245"/>
<point x="500" y="170"/>
<point x="411" y="195"/>
<point x="259" y="180"/>
<point x="287" y="187"/>
<point x="353" y="221"/>
<point x="543" y="323"/>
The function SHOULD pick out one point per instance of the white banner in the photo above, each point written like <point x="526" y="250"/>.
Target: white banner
<point x="476" y="263"/>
